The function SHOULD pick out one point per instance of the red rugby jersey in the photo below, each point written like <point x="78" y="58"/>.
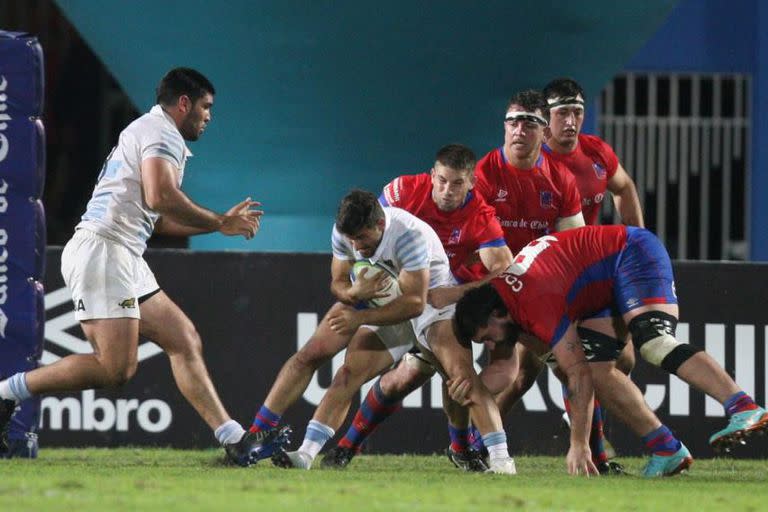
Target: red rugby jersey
<point x="560" y="278"/>
<point x="527" y="202"/>
<point x="462" y="232"/>
<point x="593" y="163"/>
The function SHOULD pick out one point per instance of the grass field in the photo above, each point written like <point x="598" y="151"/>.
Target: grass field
<point x="168" y="480"/>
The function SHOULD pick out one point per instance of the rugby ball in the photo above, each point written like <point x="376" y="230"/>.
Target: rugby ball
<point x="392" y="288"/>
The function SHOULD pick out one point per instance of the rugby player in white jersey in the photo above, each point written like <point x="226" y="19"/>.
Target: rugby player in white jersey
<point x="377" y="337"/>
<point x="115" y="294"/>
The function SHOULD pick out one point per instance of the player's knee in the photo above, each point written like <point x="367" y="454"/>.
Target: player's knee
<point x="654" y="335"/>
<point x="626" y="361"/>
<point x="349" y="377"/>
<point x="312" y="355"/>
<point x="118" y="375"/>
<point x="410" y="374"/>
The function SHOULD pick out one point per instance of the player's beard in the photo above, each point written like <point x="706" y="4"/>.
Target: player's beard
<point x="189" y="127"/>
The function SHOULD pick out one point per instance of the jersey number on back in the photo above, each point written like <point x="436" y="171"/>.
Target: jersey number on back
<point x="528" y="255"/>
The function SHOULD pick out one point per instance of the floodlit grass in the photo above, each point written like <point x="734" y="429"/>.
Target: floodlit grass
<point x="80" y="480"/>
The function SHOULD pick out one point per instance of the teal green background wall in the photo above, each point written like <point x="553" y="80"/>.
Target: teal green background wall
<point x="316" y="97"/>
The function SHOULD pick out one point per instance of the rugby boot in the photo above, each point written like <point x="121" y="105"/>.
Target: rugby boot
<point x="503" y="466"/>
<point x="255" y="446"/>
<point x="467" y="460"/>
<point x="338" y="457"/>
<point x="7" y="410"/>
<point x="668" y="465"/>
<point x="741" y="426"/>
<point x="610" y="468"/>
<point x="288" y="460"/>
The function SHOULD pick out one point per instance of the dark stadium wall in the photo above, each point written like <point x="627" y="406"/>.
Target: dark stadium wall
<point x="317" y="97"/>
<point x="715" y="36"/>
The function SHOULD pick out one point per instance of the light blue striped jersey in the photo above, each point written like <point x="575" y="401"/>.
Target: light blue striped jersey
<point x="117" y="209"/>
<point x="408" y="243"/>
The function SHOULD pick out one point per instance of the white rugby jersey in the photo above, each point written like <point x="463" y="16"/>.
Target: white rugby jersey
<point x="408" y="244"/>
<point x="117" y="209"/>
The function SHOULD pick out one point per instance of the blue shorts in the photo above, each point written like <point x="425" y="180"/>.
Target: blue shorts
<point x="643" y="273"/>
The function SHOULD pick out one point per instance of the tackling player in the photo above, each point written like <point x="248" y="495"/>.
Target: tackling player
<point x="468" y="231"/>
<point x="115" y="294"/>
<point x="377" y="337"/>
<point x="559" y="279"/>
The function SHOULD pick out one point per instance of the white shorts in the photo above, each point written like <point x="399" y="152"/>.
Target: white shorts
<point x="400" y="338"/>
<point x="105" y="278"/>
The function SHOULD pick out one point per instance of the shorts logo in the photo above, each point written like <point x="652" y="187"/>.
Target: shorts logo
<point x="62" y="332"/>
<point x="545" y="198"/>
<point x="632" y="302"/>
<point x="128" y="303"/>
<point x="599" y="170"/>
<point x="455" y="236"/>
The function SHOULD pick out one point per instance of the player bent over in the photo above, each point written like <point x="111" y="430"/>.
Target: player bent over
<point x="558" y="279"/>
<point x="470" y="234"/>
<point x="377" y="337"/>
<point x="115" y="293"/>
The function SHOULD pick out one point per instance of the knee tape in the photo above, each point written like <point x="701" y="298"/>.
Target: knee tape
<point x="417" y="363"/>
<point x="654" y="334"/>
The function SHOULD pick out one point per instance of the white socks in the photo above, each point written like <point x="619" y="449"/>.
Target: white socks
<point x="315" y="438"/>
<point x="229" y="432"/>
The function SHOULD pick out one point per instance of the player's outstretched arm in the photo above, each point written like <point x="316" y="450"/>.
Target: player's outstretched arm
<point x="495" y="259"/>
<point x="572" y="362"/>
<point x="162" y="194"/>
<point x="625" y="198"/>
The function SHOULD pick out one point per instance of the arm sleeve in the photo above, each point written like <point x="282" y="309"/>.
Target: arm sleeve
<point x="412" y="250"/>
<point x="166" y="145"/>
<point x="341" y="248"/>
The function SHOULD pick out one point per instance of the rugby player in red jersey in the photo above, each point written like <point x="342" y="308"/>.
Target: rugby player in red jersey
<point x="561" y="278"/>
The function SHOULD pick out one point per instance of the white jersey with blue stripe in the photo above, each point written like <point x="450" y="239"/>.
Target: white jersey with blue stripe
<point x="117" y="209"/>
<point x="408" y="243"/>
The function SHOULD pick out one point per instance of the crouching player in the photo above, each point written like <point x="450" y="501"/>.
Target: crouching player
<point x="469" y="232"/>
<point x="559" y="279"/>
<point x="377" y="337"/>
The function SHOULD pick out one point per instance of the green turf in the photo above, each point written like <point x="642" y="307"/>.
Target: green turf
<point x="156" y="479"/>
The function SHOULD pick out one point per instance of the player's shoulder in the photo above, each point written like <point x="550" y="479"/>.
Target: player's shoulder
<point x="491" y="160"/>
<point x="592" y="144"/>
<point x="404" y="187"/>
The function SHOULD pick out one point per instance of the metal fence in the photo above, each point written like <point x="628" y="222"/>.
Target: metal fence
<point x="685" y="139"/>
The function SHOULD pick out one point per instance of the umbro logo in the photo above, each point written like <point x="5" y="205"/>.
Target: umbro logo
<point x="62" y="335"/>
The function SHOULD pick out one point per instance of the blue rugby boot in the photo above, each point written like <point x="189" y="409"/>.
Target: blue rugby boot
<point x="740" y="427"/>
<point x="255" y="446"/>
<point x="668" y="465"/>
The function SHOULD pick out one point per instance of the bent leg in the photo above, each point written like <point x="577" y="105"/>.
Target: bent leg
<point x="296" y="373"/>
<point x="113" y="363"/>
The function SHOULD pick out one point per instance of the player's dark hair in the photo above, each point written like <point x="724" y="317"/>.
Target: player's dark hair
<point x="183" y="82"/>
<point x="473" y="311"/>
<point x="457" y="156"/>
<point x="563" y="87"/>
<point x="531" y="100"/>
<point x="358" y="210"/>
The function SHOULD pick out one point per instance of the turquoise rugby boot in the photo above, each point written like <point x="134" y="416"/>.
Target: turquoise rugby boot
<point x="740" y="426"/>
<point x="668" y="465"/>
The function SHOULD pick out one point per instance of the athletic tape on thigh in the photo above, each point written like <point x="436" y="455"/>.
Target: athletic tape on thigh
<point x="599" y="347"/>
